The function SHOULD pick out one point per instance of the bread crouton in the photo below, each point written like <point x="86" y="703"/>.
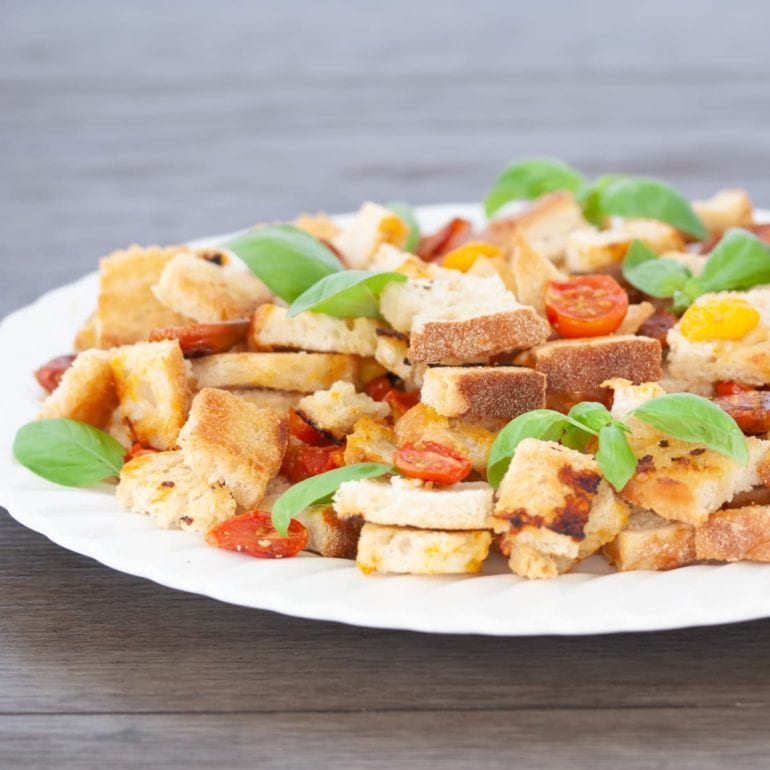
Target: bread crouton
<point x="463" y="320"/>
<point x="636" y="315"/>
<point x="302" y="372"/>
<point x="318" y="225"/>
<point x="412" y="503"/>
<point x="389" y="259"/>
<point x="151" y="379"/>
<point x="591" y="249"/>
<point x="423" y="423"/>
<point x="336" y="410"/>
<point x="651" y="542"/>
<point x="160" y="485"/>
<point x="369" y="228"/>
<point x="86" y="392"/>
<point x="272" y="328"/>
<point x="727" y="208"/>
<point x="127" y="310"/>
<point x="228" y="440"/>
<point x="327" y="535"/>
<point x="658" y="236"/>
<point x="370" y="442"/>
<point x="554" y="509"/>
<point x="392" y="352"/>
<point x="483" y="391"/>
<point x="87" y="336"/>
<point x="532" y="273"/>
<point x="421" y="551"/>
<point x="207" y="292"/>
<point x="584" y="364"/>
<point x="686" y="482"/>
<point x="279" y="401"/>
<point x="489" y="267"/>
<point x="702" y="362"/>
<point x="737" y="534"/>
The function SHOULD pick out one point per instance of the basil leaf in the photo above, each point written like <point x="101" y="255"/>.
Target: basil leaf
<point x="615" y="456"/>
<point x="739" y="261"/>
<point x="695" y="419"/>
<point x="406" y="213"/>
<point x="68" y="452"/>
<point x="591" y="414"/>
<point x="531" y="178"/>
<point x="349" y="294"/>
<point x="650" y="199"/>
<point x="315" y="489"/>
<point x="589" y="197"/>
<point x="658" y="278"/>
<point x="637" y="254"/>
<point x="286" y="259"/>
<point x="544" y="424"/>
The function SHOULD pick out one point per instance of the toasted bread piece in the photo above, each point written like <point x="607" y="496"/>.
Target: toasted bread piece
<point x="737" y="534"/>
<point x="207" y="292"/>
<point x="86" y="391"/>
<point x="532" y="273"/>
<point x="591" y="249"/>
<point x="327" y="535"/>
<point x="392" y="352"/>
<point x="404" y="502"/>
<point x="389" y="259"/>
<point x="421" y="551"/>
<point x="372" y="226"/>
<point x="651" y="542"/>
<point x="658" y="236"/>
<point x="151" y="379"/>
<point x="546" y="226"/>
<point x="87" y="335"/>
<point x="687" y="482"/>
<point x="636" y="315"/>
<point x="303" y="372"/>
<point x="279" y="401"/>
<point x="370" y="442"/>
<point x="627" y="396"/>
<point x="697" y="364"/>
<point x="127" y="310"/>
<point x="583" y="364"/>
<point x="489" y="267"/>
<point x="228" y="440"/>
<point x="336" y="410"/>
<point x="462" y="320"/>
<point x="483" y="391"/>
<point x="318" y="225"/>
<point x="423" y="423"/>
<point x="160" y="485"/>
<point x="272" y="328"/>
<point x="727" y="208"/>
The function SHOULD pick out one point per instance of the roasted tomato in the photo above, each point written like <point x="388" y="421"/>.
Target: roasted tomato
<point x="401" y="402"/>
<point x="750" y="409"/>
<point x="253" y="533"/>
<point x="731" y="388"/>
<point x="300" y="428"/>
<point x="586" y="306"/>
<point x="430" y="461"/>
<point x="49" y="375"/>
<point x="203" y="339"/>
<point x="137" y="450"/>
<point x="302" y="462"/>
<point x="379" y="387"/>
<point x="658" y="326"/>
<point x="449" y="237"/>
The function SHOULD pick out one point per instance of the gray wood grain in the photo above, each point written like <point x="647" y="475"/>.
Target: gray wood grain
<point x="163" y="121"/>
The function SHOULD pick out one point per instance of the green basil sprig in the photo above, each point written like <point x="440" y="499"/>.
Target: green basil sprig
<point x="349" y="294"/>
<point x="319" y="489"/>
<point x="286" y="259"/>
<point x="68" y="452"/>
<point x="406" y="213"/>
<point x="609" y="195"/>
<point x="739" y="261"/>
<point x="683" y="416"/>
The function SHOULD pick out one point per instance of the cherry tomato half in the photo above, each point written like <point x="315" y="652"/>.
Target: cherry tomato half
<point x="401" y="402"/>
<point x="379" y="387"/>
<point x="49" y="374"/>
<point x="302" y="462"/>
<point x="731" y="388"/>
<point x="586" y="306"/>
<point x="203" y="339"/>
<point x="430" y="461"/>
<point x="253" y="533"/>
<point x="300" y="428"/>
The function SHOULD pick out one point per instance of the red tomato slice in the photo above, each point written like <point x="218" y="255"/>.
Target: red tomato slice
<point x="430" y="461"/>
<point x="49" y="375"/>
<point x="302" y="462"/>
<point x="731" y="388"/>
<point x="379" y="387"/>
<point x="586" y="306"/>
<point x="253" y="533"/>
<point x="401" y="402"/>
<point x="449" y="237"/>
<point x="300" y="428"/>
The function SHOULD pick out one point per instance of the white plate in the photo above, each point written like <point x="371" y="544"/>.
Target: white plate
<point x="592" y="600"/>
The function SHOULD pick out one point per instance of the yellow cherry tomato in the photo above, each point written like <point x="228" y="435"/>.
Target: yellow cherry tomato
<point x="393" y="230"/>
<point x="719" y="319"/>
<point x="463" y="257"/>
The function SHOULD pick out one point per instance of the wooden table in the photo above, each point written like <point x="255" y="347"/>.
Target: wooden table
<point x="158" y="122"/>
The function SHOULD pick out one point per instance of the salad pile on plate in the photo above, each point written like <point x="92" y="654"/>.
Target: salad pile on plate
<point x="587" y="373"/>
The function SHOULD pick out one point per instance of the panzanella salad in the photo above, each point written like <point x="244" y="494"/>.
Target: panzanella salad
<point x="586" y="373"/>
